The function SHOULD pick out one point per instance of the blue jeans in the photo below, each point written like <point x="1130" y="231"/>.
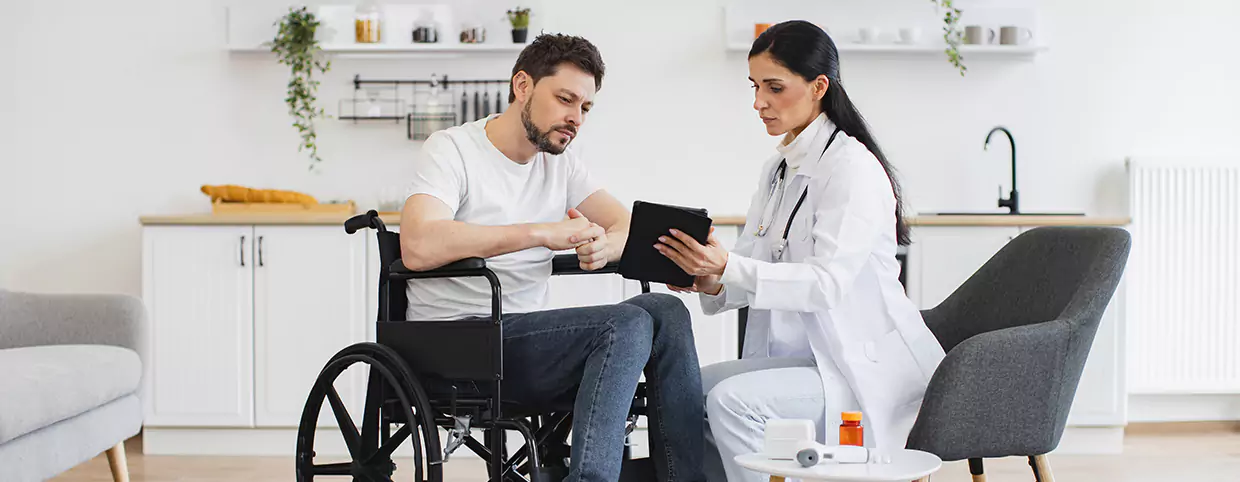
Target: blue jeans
<point x="594" y="356"/>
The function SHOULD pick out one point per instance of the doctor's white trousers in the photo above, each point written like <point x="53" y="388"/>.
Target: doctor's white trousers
<point x="741" y="395"/>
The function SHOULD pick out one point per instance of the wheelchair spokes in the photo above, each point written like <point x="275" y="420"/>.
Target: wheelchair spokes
<point x="393" y="397"/>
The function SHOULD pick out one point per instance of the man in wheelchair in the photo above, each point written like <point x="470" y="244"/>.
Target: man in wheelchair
<point x="508" y="189"/>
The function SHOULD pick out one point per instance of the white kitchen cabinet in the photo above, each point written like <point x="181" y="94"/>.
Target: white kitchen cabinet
<point x="941" y="258"/>
<point x="244" y="317"/>
<point x="309" y="303"/>
<point x="235" y="344"/>
<point x="197" y="285"/>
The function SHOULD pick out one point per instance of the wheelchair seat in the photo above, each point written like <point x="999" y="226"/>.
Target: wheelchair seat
<point x="426" y="375"/>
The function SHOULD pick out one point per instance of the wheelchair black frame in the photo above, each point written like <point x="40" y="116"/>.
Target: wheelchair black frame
<point x="441" y="360"/>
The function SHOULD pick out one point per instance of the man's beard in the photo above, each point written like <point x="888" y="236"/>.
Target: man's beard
<point x="540" y="139"/>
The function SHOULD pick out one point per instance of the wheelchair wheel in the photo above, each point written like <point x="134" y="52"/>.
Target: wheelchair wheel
<point x="393" y="396"/>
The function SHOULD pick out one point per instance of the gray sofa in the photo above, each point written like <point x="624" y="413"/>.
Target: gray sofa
<point x="70" y="373"/>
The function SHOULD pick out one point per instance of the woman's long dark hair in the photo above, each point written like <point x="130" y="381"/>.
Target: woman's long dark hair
<point x="808" y="51"/>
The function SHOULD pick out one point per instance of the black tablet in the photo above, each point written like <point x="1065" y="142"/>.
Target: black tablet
<point x="640" y="260"/>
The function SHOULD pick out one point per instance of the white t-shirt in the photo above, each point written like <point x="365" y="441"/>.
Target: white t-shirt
<point x="461" y="167"/>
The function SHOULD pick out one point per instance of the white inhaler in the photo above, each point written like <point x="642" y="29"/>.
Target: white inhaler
<point x="814" y="453"/>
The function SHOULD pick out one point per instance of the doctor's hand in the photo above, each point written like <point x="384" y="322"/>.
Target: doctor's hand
<point x="708" y="284"/>
<point x="696" y="259"/>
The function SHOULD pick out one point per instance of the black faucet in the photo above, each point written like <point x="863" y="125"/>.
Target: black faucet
<point x="1012" y="201"/>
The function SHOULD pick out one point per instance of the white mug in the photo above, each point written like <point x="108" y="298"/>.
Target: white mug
<point x="910" y="35"/>
<point x="1014" y="35"/>
<point x="973" y="35"/>
<point x="869" y="35"/>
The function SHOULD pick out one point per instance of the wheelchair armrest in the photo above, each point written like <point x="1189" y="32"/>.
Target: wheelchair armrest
<point x="456" y="269"/>
<point x="464" y="267"/>
<point x="567" y="264"/>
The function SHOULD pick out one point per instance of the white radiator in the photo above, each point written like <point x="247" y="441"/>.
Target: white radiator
<point x="1183" y="278"/>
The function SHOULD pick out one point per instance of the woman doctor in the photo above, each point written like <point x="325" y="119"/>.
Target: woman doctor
<point x="830" y="328"/>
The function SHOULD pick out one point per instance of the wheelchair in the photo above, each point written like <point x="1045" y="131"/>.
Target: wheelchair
<point x="426" y="375"/>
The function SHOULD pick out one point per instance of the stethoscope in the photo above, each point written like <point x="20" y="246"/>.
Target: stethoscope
<point x="777" y="195"/>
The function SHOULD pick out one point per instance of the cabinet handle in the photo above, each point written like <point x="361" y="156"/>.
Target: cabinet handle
<point x="260" y="251"/>
<point x="241" y="250"/>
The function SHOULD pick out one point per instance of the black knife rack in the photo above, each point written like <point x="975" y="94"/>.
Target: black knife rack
<point x="488" y="97"/>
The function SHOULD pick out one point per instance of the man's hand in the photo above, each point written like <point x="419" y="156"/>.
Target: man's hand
<point x="577" y="232"/>
<point x="570" y="233"/>
<point x="595" y="253"/>
<point x="604" y="210"/>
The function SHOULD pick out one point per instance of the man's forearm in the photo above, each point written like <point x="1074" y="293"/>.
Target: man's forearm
<point x="432" y="244"/>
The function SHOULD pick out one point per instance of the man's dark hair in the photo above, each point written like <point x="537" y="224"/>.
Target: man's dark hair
<point x="545" y="54"/>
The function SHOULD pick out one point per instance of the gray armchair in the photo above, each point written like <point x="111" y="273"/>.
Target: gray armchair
<point x="70" y="381"/>
<point x="1017" y="334"/>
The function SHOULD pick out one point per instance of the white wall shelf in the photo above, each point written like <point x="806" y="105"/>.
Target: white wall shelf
<point x="248" y="27"/>
<point x="988" y="51"/>
<point x="844" y="25"/>
<point x="410" y="48"/>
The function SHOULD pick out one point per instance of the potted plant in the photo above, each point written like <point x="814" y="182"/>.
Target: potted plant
<point x="296" y="46"/>
<point x="520" y="19"/>
<point x="951" y="33"/>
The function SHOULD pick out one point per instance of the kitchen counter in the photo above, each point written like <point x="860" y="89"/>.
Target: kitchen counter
<point x="393" y="219"/>
<point x="1017" y="220"/>
<point x="305" y="219"/>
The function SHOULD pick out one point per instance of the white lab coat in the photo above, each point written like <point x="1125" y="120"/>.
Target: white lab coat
<point x="838" y="276"/>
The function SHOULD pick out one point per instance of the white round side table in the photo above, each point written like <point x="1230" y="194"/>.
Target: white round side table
<point x="906" y="465"/>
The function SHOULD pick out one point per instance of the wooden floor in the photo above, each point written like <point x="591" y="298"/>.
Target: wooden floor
<point x="1149" y="456"/>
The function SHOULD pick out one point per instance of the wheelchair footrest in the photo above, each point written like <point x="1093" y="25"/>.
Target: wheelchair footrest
<point x="548" y="474"/>
<point x="456" y="436"/>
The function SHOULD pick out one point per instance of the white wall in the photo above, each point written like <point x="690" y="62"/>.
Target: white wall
<point x="111" y="110"/>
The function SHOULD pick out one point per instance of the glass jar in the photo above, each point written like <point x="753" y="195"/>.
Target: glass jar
<point x="367" y="23"/>
<point x="426" y="29"/>
<point x="473" y="34"/>
<point x="425" y="33"/>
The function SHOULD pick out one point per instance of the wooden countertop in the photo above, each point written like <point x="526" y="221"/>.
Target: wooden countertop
<point x="392" y="219"/>
<point x="1017" y="220"/>
<point x="305" y="219"/>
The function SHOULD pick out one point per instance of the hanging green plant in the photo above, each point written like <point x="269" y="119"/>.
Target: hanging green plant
<point x="952" y="33"/>
<point x="297" y="48"/>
